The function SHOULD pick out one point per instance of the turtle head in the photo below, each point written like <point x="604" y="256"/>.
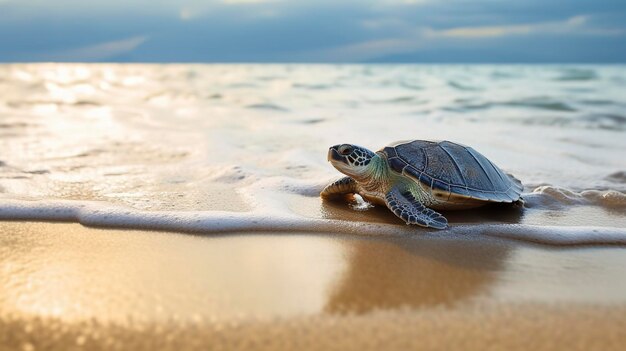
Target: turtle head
<point x="351" y="160"/>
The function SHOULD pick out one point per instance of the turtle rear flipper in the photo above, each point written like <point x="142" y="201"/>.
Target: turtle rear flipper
<point x="404" y="205"/>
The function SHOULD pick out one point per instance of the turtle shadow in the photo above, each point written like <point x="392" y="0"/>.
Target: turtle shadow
<point x="343" y="208"/>
<point x="415" y="272"/>
<point x="491" y="213"/>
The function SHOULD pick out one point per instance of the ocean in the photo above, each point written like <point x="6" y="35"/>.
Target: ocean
<point x="222" y="148"/>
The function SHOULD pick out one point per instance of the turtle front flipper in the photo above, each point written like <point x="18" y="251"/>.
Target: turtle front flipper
<point x="345" y="185"/>
<point x="404" y="205"/>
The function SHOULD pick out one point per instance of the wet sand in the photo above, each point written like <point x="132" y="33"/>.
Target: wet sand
<point x="66" y="286"/>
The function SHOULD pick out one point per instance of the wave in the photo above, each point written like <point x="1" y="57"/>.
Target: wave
<point x="272" y="107"/>
<point x="312" y="86"/>
<point x="577" y="74"/>
<point x="463" y="86"/>
<point x="617" y="177"/>
<point x="14" y="125"/>
<point x="594" y="121"/>
<point x="540" y="102"/>
<point x="537" y="102"/>
<point x="546" y="196"/>
<point x="214" y="222"/>
<point x="18" y="104"/>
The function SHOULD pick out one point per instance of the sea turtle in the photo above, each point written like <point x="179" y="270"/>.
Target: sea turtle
<point x="414" y="178"/>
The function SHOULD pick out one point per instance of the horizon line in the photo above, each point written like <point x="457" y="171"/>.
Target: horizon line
<point x="324" y="62"/>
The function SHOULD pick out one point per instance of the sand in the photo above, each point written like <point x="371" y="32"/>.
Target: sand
<point x="66" y="286"/>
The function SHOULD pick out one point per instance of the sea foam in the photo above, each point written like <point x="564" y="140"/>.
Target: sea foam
<point x="550" y="195"/>
<point x="214" y="222"/>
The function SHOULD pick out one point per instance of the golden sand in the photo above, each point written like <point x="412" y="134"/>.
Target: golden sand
<point x="65" y="286"/>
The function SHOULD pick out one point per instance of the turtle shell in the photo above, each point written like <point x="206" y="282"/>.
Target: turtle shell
<point x="453" y="170"/>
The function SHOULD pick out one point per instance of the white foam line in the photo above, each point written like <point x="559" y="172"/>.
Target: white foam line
<point x="97" y="214"/>
<point x="551" y="235"/>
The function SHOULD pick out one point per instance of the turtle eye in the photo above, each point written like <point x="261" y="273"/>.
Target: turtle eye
<point x="345" y="150"/>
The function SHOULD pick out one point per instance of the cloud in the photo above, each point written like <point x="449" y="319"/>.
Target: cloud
<point x="192" y="11"/>
<point x="420" y="37"/>
<point x="573" y="24"/>
<point x="196" y="9"/>
<point x="239" y="2"/>
<point x="482" y="32"/>
<point x="97" y="52"/>
<point x="366" y="50"/>
<point x="186" y="14"/>
<point x="413" y="2"/>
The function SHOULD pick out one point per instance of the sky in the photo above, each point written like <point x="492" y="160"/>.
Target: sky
<point x="341" y="31"/>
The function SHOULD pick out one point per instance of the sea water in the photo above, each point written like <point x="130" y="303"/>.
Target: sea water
<point x="216" y="148"/>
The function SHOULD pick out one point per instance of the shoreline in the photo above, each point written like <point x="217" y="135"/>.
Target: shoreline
<point x="323" y="218"/>
<point x="560" y="236"/>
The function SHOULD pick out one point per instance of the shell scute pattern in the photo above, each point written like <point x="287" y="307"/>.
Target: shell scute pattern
<point x="459" y="170"/>
<point x="397" y="164"/>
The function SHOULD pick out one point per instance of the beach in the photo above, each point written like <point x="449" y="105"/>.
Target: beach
<point x="72" y="287"/>
<point x="177" y="206"/>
